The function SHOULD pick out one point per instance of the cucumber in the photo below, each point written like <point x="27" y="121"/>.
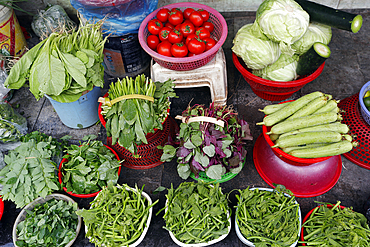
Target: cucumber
<point x="330" y="105"/>
<point x="336" y="126"/>
<point x="304" y="122"/>
<point x="332" y="149"/>
<point x="310" y="61"/>
<point x="269" y="109"/>
<point x="314" y="145"/>
<point x="311" y="106"/>
<point x="273" y="137"/>
<point x="308" y="138"/>
<point x="289" y="109"/>
<point x="331" y="17"/>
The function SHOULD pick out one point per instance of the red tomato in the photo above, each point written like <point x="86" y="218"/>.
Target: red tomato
<point x="176" y="17"/>
<point x="204" y="13"/>
<point x="191" y="54"/>
<point x="152" y="41"/>
<point x="196" y="46"/>
<point x="164" y="48"/>
<point x="196" y="18"/>
<point x="163" y="34"/>
<point x="179" y="50"/>
<point x="209" y="26"/>
<point x="186" y="29"/>
<point x="178" y="27"/>
<point x="202" y="33"/>
<point x="209" y="43"/>
<point x="154" y="26"/>
<point x="175" y="36"/>
<point x="169" y="25"/>
<point x="187" y="13"/>
<point x="190" y="37"/>
<point x="163" y="14"/>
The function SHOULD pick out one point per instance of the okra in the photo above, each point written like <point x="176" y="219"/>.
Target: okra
<point x="329" y="106"/>
<point x="308" y="138"/>
<point x="304" y="122"/>
<point x="311" y="106"/>
<point x="269" y="109"/>
<point x="336" y="126"/>
<point x="289" y="110"/>
<point x="274" y="137"/>
<point x="332" y="149"/>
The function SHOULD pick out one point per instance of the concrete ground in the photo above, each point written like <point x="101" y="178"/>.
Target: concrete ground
<point x="344" y="73"/>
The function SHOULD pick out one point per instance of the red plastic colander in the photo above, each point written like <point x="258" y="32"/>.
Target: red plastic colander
<point x="186" y="63"/>
<point x="273" y="90"/>
<point x="1" y="208"/>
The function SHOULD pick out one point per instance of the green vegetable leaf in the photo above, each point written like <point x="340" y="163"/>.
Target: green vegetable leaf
<point x="215" y="171"/>
<point x="209" y="150"/>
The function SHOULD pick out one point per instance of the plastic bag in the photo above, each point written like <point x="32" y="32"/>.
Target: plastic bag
<point x="52" y="19"/>
<point x="12" y="127"/>
<point x="3" y="90"/>
<point x="120" y="16"/>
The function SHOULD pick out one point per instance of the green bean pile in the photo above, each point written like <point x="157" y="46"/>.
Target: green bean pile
<point x="268" y="218"/>
<point x="332" y="225"/>
<point x="197" y="212"/>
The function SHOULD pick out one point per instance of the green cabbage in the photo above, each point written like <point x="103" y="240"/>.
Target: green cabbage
<point x="316" y="32"/>
<point x="256" y="50"/>
<point x="284" y="69"/>
<point x="283" y="21"/>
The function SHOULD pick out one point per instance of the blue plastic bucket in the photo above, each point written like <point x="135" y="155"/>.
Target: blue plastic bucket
<point x="81" y="113"/>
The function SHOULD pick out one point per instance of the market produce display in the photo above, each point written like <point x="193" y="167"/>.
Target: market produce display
<point x="308" y="127"/>
<point x="289" y="39"/>
<point x="62" y="66"/>
<point x="210" y="140"/>
<point x="118" y="216"/>
<point x="87" y="168"/>
<point x="335" y="225"/>
<point x="177" y="33"/>
<point x="197" y="213"/>
<point x="47" y="222"/>
<point x="134" y="108"/>
<point x="268" y="217"/>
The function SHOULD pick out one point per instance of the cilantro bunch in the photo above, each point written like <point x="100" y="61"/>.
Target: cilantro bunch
<point x="207" y="147"/>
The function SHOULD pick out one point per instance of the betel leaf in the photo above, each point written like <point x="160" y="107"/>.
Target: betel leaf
<point x="215" y="171"/>
<point x="183" y="170"/>
<point x="209" y="150"/>
<point x="196" y="139"/>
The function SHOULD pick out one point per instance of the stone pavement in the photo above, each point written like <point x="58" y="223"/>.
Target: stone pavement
<point x="344" y="73"/>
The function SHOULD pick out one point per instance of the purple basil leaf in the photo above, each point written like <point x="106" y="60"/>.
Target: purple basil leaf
<point x="196" y="165"/>
<point x="234" y="161"/>
<point x="183" y="152"/>
<point x="207" y="139"/>
<point x="220" y="153"/>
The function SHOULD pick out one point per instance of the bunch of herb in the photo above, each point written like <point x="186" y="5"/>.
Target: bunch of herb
<point x="29" y="173"/>
<point x="52" y="223"/>
<point x="335" y="225"/>
<point x="62" y="66"/>
<point x="117" y="216"/>
<point x="196" y="212"/>
<point x="208" y="147"/>
<point x="268" y="218"/>
<point x="129" y="120"/>
<point x="89" y="167"/>
<point x="54" y="145"/>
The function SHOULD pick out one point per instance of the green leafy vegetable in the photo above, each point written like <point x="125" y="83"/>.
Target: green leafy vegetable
<point x="196" y="212"/>
<point x="52" y="223"/>
<point x="335" y="225"/>
<point x="117" y="216"/>
<point x="208" y="147"/>
<point x="30" y="173"/>
<point x="56" y="66"/>
<point x="89" y="167"/>
<point x="268" y="218"/>
<point x="130" y="120"/>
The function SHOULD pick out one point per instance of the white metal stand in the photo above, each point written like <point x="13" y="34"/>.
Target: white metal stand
<point x="212" y="75"/>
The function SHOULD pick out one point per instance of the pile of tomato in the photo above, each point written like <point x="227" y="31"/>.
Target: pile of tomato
<point x="177" y="33"/>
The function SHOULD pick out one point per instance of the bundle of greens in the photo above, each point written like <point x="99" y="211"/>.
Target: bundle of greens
<point x="63" y="66"/>
<point x="197" y="213"/>
<point x="29" y="173"/>
<point x="135" y="108"/>
<point x="213" y="143"/>
<point x="12" y="124"/>
<point x="52" y="223"/>
<point x="89" y="167"/>
<point x="118" y="216"/>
